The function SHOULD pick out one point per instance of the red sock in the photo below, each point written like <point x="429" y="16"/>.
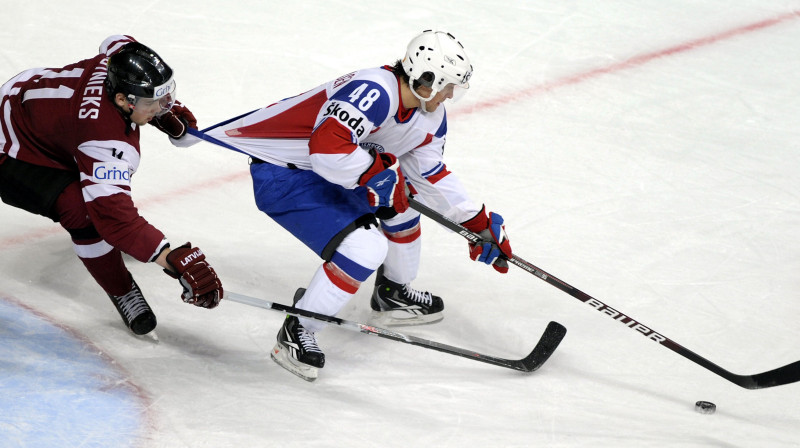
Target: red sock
<point x="109" y="272"/>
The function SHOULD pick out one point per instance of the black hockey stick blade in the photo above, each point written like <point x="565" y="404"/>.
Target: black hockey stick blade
<point x="547" y="344"/>
<point x="789" y="373"/>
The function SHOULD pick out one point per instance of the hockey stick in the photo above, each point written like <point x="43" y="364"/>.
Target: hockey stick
<point x="548" y="343"/>
<point x="787" y="374"/>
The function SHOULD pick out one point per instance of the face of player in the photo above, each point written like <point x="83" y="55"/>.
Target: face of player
<point x="144" y="109"/>
<point x="440" y="97"/>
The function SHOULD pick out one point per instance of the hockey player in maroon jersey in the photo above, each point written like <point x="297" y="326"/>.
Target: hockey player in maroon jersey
<point x="68" y="149"/>
<point x="330" y="163"/>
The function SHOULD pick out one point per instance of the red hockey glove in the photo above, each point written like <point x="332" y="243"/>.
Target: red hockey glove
<point x="495" y="241"/>
<point x="175" y="121"/>
<point x="201" y="286"/>
<point x="385" y="183"/>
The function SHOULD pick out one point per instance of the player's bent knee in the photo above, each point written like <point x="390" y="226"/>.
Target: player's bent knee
<point x="70" y="209"/>
<point x="367" y="247"/>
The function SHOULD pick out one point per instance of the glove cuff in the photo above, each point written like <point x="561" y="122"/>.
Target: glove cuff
<point x="479" y="222"/>
<point x="381" y="162"/>
<point x="171" y="124"/>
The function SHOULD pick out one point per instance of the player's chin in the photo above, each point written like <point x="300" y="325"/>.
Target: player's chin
<point x="430" y="107"/>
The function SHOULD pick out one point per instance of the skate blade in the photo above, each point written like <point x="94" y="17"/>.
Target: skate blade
<point x="151" y="337"/>
<point x="402" y="319"/>
<point x="304" y="371"/>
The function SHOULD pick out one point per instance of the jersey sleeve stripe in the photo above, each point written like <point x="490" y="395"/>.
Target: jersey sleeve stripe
<point x="428" y="139"/>
<point x="10" y="147"/>
<point x="331" y="137"/>
<point x="113" y="43"/>
<point x="94" y="191"/>
<point x="442" y="131"/>
<point x="437" y="173"/>
<point x="111" y="151"/>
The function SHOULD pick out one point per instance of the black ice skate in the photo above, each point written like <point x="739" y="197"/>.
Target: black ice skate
<point x="297" y="350"/>
<point x="134" y="310"/>
<point x="394" y="304"/>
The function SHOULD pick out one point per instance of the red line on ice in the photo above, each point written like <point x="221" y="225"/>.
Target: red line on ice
<point x="631" y="62"/>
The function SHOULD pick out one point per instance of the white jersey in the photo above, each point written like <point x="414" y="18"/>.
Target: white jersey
<point x="330" y="130"/>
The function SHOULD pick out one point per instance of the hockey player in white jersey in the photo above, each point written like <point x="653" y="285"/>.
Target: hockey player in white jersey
<point x="328" y="162"/>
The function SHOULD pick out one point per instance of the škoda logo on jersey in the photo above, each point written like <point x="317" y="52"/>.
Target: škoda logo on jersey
<point x="348" y="119"/>
<point x="116" y="173"/>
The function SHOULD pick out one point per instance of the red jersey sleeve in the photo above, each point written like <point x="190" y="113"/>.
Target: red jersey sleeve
<point x="106" y="168"/>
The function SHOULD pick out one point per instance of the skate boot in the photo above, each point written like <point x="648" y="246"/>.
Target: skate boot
<point x="394" y="304"/>
<point x="134" y="310"/>
<point x="297" y="350"/>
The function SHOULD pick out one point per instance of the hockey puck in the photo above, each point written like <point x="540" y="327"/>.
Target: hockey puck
<point x="705" y="407"/>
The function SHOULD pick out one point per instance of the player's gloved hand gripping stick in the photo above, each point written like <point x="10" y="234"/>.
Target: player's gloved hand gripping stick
<point x="201" y="286"/>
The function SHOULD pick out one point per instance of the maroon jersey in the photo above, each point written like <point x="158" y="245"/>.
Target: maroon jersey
<point x="62" y="118"/>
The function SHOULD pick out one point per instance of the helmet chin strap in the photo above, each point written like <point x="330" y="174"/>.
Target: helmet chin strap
<point x="422" y="100"/>
<point x="125" y="115"/>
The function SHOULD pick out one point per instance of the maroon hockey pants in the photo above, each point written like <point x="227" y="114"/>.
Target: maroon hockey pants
<point x="57" y="195"/>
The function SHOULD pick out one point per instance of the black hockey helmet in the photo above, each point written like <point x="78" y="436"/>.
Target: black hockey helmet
<point x="139" y="72"/>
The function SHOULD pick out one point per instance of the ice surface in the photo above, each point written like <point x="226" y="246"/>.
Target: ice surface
<point x="646" y="152"/>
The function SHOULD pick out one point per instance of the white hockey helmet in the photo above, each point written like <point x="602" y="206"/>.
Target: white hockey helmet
<point x="435" y="59"/>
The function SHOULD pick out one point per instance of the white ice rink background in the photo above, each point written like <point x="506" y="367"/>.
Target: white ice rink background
<point x="646" y="152"/>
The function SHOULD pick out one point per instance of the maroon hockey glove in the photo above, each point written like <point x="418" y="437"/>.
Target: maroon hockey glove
<point x="385" y="183"/>
<point x="201" y="286"/>
<point x="495" y="248"/>
<point x="175" y="121"/>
